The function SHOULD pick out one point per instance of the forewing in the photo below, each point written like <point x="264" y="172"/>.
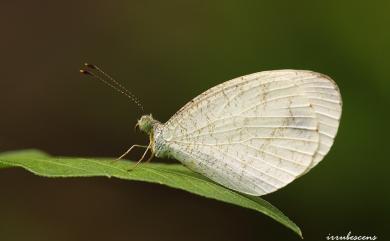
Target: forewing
<point x="259" y="132"/>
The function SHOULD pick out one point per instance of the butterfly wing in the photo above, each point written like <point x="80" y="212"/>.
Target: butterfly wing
<point x="257" y="133"/>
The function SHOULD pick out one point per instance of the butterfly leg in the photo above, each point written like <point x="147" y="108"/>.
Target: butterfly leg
<point x="150" y="158"/>
<point x="129" y="150"/>
<point x="143" y="156"/>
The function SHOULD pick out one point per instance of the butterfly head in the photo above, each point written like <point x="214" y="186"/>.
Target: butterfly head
<point x="146" y="123"/>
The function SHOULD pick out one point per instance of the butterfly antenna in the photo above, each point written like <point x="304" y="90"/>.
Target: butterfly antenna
<point x="92" y="66"/>
<point x="113" y="84"/>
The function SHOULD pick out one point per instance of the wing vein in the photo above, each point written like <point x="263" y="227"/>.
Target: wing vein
<point x="237" y="116"/>
<point x="292" y="149"/>
<point x="260" y="126"/>
<point x="254" y="168"/>
<point x="239" y="142"/>
<point x="275" y="155"/>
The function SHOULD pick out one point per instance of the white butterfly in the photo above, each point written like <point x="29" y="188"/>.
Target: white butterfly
<point x="253" y="134"/>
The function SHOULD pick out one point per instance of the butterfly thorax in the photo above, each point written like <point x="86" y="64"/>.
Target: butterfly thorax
<point x="154" y="128"/>
<point x="146" y="123"/>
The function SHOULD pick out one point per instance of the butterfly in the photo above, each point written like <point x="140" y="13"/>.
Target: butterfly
<point x="253" y="134"/>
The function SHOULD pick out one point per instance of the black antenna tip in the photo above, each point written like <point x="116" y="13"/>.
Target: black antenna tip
<point x="85" y="72"/>
<point x="91" y="66"/>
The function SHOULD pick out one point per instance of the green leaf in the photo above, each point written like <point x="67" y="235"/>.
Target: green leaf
<point x="172" y="175"/>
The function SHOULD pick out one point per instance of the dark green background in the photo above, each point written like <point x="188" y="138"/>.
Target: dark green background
<point x="167" y="52"/>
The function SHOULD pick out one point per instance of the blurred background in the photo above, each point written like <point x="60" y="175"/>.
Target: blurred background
<point x="167" y="52"/>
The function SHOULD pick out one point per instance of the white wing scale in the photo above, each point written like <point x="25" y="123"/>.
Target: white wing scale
<point x="257" y="133"/>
